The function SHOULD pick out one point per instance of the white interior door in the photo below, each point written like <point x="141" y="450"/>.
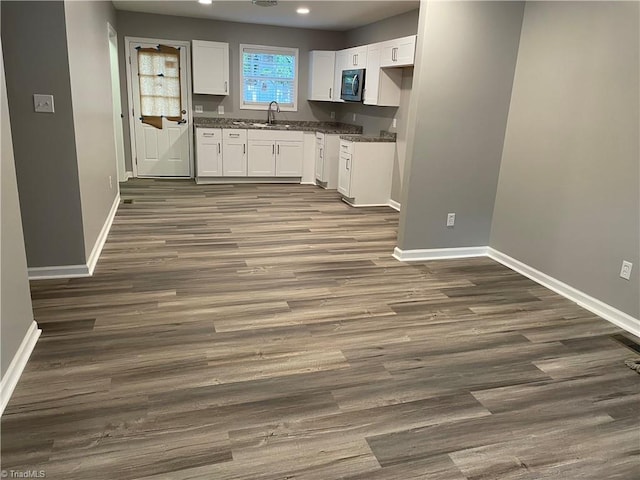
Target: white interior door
<point x="160" y="89"/>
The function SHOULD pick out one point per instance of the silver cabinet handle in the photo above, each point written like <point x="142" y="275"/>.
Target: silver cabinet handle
<point x="208" y="134"/>
<point x="278" y="149"/>
<point x="348" y="162"/>
<point x="234" y="135"/>
<point x="219" y="149"/>
<point x="244" y="148"/>
<point x="273" y="149"/>
<point x="225" y="87"/>
<point x="320" y="153"/>
<point x="331" y="93"/>
<point x="355" y="62"/>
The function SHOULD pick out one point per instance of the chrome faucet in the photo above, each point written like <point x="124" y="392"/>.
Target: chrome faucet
<point x="270" y="113"/>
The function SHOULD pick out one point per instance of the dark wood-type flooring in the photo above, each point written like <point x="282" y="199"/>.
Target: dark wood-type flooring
<point x="265" y="332"/>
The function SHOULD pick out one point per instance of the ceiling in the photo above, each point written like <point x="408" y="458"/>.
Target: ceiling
<point x="324" y="15"/>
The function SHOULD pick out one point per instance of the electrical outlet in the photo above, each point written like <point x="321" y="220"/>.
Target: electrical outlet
<point x="199" y="109"/>
<point x="354" y="117"/>
<point x="625" y="271"/>
<point x="220" y="109"/>
<point x="333" y="115"/>
<point x="394" y="123"/>
<point x="451" y="219"/>
<point x="43" y="103"/>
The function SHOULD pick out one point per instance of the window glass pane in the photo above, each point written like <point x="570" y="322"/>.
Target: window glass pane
<point x="268" y="76"/>
<point x="159" y="79"/>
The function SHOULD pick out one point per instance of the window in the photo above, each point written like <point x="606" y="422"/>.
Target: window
<point x="267" y="74"/>
<point x="159" y="77"/>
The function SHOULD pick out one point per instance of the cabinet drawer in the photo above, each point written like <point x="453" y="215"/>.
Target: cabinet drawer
<point x="234" y="134"/>
<point x="208" y="134"/>
<point x="276" y="135"/>
<point x="346" y="147"/>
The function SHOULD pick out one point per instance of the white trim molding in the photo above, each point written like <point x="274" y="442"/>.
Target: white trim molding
<point x="420" y="255"/>
<point x="13" y="373"/>
<point x="77" y="271"/>
<point x="395" y="205"/>
<point x="586" y="301"/>
<point x="102" y="236"/>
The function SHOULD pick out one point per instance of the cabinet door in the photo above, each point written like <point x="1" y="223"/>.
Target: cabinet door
<point x="210" y="67"/>
<point x="372" y="75"/>
<point x="358" y="57"/>
<point x="209" y="152"/>
<point x="341" y="64"/>
<point x="344" y="174"/>
<point x="262" y="158"/>
<point x="320" y="159"/>
<point x="234" y="153"/>
<point x="289" y="156"/>
<point x="321" y="75"/>
<point x="399" y="52"/>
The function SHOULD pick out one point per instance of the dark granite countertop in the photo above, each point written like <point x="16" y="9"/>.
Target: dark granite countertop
<point x="305" y="126"/>
<point x="384" y="137"/>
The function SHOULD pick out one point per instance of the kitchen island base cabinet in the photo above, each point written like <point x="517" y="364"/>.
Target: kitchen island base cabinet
<point x="365" y="171"/>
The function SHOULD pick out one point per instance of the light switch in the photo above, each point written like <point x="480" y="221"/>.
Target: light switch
<point x="43" y="103"/>
<point x="220" y="109"/>
<point x="199" y="109"/>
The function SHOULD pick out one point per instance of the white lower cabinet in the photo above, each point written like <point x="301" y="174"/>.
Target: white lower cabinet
<point x="365" y="171"/>
<point x="248" y="153"/>
<point x="208" y="152"/>
<point x="262" y="158"/>
<point x="275" y="153"/>
<point x="234" y="153"/>
<point x="289" y="158"/>
<point x="326" y="158"/>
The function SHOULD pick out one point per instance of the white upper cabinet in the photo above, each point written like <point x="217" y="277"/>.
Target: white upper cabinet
<point x="399" y="52"/>
<point x="341" y="64"/>
<point x="356" y="58"/>
<point x="321" y="75"/>
<point x="210" y="67"/>
<point x="383" y="86"/>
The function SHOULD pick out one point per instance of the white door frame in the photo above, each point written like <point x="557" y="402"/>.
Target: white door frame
<point x="132" y="132"/>
<point x="112" y="36"/>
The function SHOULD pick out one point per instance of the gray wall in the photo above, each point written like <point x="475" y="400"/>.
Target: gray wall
<point x="568" y="195"/>
<point x="15" y="301"/>
<point x="464" y="70"/>
<point x="90" y="71"/>
<point x="182" y="28"/>
<point x="35" y="56"/>
<point x="401" y="25"/>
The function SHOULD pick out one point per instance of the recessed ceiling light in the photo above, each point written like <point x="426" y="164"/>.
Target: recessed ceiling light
<point x="303" y="10"/>
<point x="205" y="2"/>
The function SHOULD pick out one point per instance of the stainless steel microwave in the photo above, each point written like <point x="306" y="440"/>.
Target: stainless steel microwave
<point x="352" y="85"/>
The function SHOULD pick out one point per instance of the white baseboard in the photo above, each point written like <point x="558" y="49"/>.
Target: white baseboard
<point x="60" y="271"/>
<point x="102" y="236"/>
<point x="13" y="373"/>
<point x="438" y="253"/>
<point x="395" y="205"/>
<point x="77" y="271"/>
<point x="586" y="301"/>
<point x="128" y="175"/>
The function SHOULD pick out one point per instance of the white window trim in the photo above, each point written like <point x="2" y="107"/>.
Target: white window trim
<point x="283" y="50"/>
